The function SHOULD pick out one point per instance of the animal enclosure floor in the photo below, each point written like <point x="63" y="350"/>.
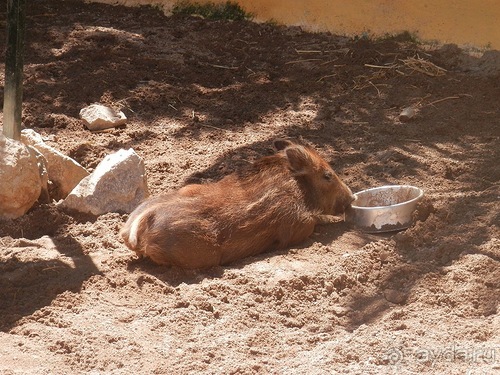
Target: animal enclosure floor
<point x="205" y="97"/>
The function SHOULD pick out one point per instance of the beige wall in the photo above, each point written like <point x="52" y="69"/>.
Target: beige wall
<point x="464" y="22"/>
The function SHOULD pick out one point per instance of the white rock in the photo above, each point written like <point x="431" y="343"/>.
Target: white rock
<point x="44" y="174"/>
<point x="64" y="172"/>
<point x="99" y="117"/>
<point x="20" y="181"/>
<point x="118" y="184"/>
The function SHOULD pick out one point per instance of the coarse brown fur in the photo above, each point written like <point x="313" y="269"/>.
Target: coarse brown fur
<point x="274" y="203"/>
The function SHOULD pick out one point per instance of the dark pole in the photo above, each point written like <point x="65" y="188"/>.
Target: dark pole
<point x="13" y="92"/>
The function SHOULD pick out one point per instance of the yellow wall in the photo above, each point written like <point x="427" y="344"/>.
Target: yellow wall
<point x="464" y="22"/>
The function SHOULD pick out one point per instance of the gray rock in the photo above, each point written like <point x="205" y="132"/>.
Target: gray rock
<point x="118" y="184"/>
<point x="100" y="117"/>
<point x="20" y="181"/>
<point x="395" y="296"/>
<point x="44" y="174"/>
<point x="64" y="172"/>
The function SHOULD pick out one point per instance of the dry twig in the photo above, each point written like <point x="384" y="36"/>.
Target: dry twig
<point x="299" y="61"/>
<point x="307" y="51"/>
<point x="376" y="88"/>
<point x="423" y="66"/>
<point x="327" y="76"/>
<point x="443" y="99"/>
<point x="392" y="66"/>
<point x="223" y="66"/>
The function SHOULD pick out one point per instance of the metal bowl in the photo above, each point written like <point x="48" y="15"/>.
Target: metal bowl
<point x="384" y="209"/>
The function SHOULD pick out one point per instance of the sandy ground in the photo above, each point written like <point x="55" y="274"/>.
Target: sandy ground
<point x="205" y="97"/>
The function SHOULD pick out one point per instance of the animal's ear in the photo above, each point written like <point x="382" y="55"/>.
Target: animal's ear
<point x="299" y="159"/>
<point x="281" y="144"/>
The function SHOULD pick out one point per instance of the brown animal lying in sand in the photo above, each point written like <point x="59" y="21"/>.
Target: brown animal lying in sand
<point x="273" y="203"/>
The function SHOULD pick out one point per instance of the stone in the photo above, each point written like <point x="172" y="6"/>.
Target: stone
<point x="99" y="117"/>
<point x="64" y="172"/>
<point x="44" y="174"/>
<point x="407" y="114"/>
<point x="118" y="184"/>
<point x="395" y="296"/>
<point x="20" y="181"/>
<point x="341" y="310"/>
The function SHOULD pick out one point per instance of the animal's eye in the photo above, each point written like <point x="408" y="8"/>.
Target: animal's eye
<point x="328" y="176"/>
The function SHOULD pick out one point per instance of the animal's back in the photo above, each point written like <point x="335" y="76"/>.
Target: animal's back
<point x="253" y="210"/>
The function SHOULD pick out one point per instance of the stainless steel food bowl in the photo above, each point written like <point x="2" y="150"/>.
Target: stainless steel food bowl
<point x="384" y="209"/>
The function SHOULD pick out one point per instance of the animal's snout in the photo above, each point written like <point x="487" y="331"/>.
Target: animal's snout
<point x="349" y="196"/>
<point x="344" y="201"/>
<point x="352" y="198"/>
<point x="348" y="202"/>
